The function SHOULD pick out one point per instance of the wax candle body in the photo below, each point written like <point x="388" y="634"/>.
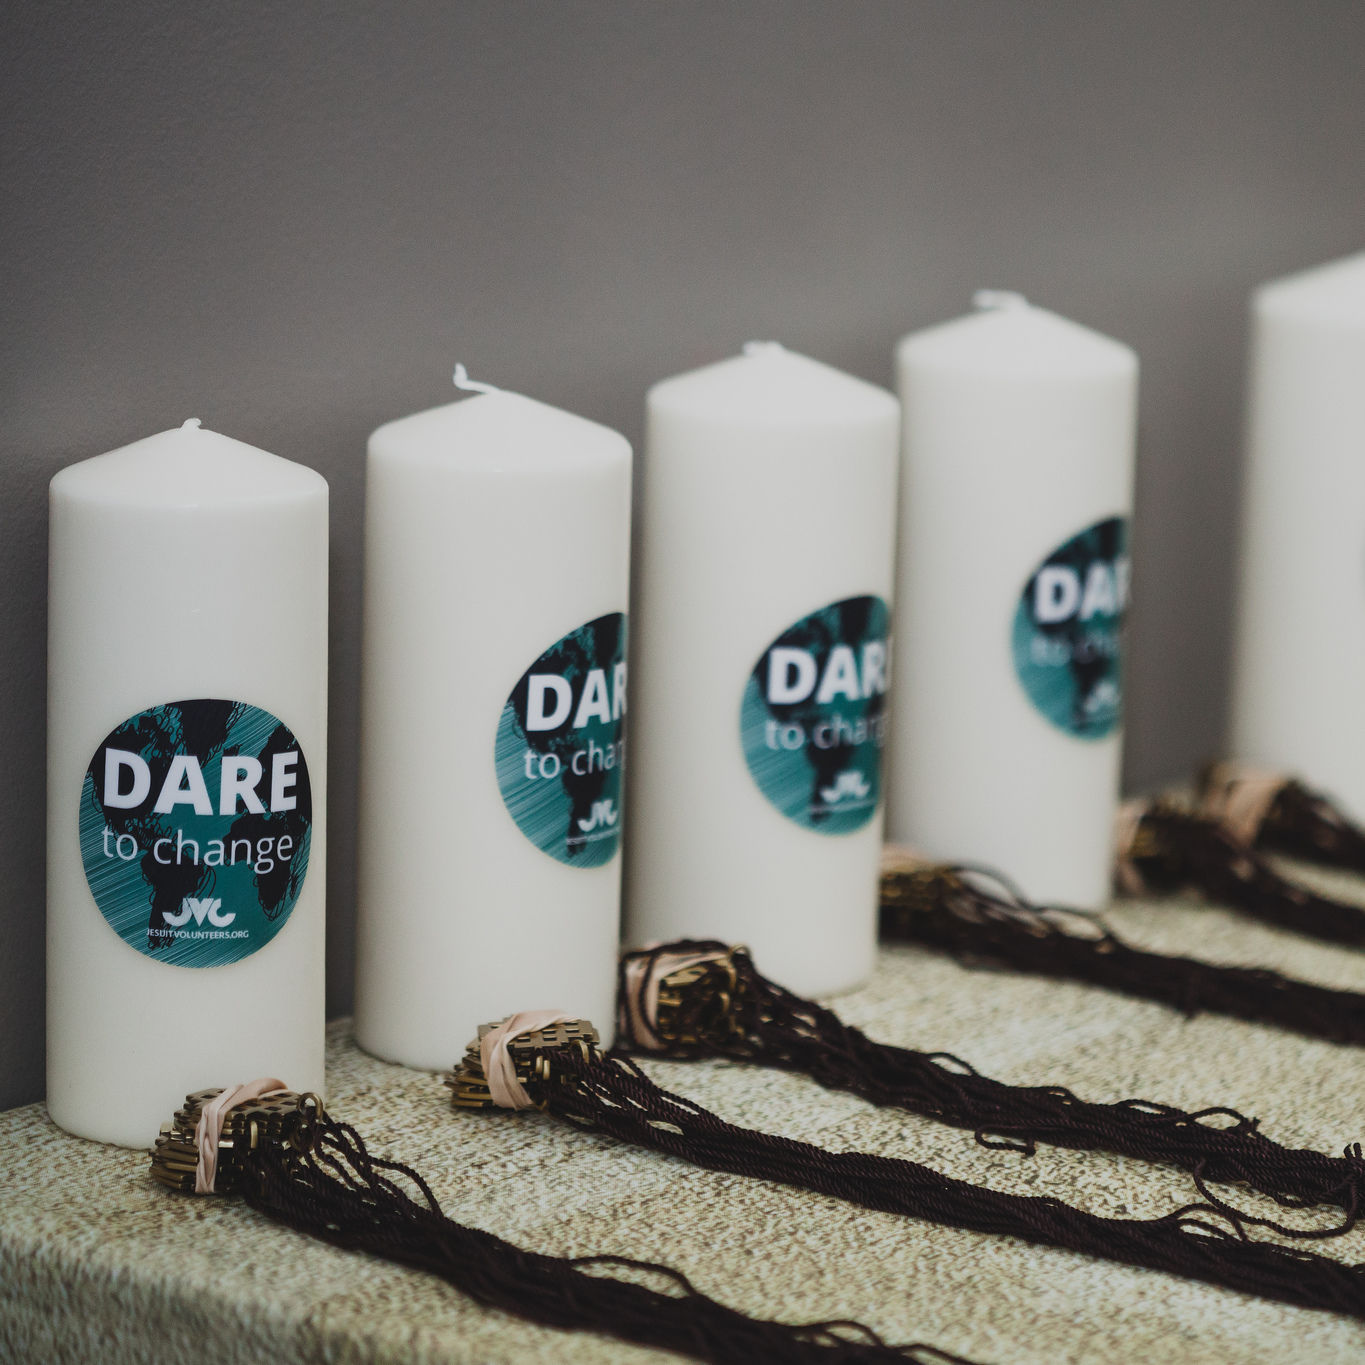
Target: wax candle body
<point x="762" y="573"/>
<point x="187" y="703"/>
<point x="497" y="546"/>
<point x="1299" y="659"/>
<point x="1016" y="487"/>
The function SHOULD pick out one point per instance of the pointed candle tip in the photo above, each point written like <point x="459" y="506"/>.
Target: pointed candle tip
<point x="191" y="424"/>
<point x="463" y="381"/>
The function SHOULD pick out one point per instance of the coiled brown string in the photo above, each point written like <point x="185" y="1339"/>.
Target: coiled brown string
<point x="1296" y="820"/>
<point x="330" y="1187"/>
<point x="732" y="1010"/>
<point x="1200" y="1241"/>
<point x="1175" y="848"/>
<point x="956" y="910"/>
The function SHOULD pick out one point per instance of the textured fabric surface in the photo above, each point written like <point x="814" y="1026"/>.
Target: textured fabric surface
<point x="96" y="1263"/>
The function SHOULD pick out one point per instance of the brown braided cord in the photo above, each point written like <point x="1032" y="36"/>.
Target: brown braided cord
<point x="1176" y="848"/>
<point x="1002" y="929"/>
<point x="330" y="1187"/>
<point x="744" y="1015"/>
<point x="1305" y="824"/>
<point x="1200" y="1241"/>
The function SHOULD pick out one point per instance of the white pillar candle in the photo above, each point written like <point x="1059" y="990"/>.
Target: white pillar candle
<point x="1016" y="487"/>
<point x="187" y="718"/>
<point x="1299" y="661"/>
<point x="763" y="573"/>
<point x="497" y="557"/>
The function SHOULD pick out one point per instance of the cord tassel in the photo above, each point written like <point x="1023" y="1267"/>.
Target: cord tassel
<point x="704" y="999"/>
<point x="1208" y="1242"/>
<point x="293" y="1163"/>
<point x="1171" y="848"/>
<point x="948" y="908"/>
<point x="1273" y="812"/>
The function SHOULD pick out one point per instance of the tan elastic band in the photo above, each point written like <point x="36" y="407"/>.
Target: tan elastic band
<point x="1126" y="824"/>
<point x="1241" y="798"/>
<point x="506" y="1090"/>
<point x="900" y="858"/>
<point x="214" y="1114"/>
<point x="640" y="1007"/>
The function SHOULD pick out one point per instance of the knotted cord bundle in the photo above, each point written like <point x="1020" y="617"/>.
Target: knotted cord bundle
<point x="1276" y="813"/>
<point x="705" y="999"/>
<point x="980" y="919"/>
<point x="1169" y="848"/>
<point x="293" y="1163"/>
<point x="576" y="1081"/>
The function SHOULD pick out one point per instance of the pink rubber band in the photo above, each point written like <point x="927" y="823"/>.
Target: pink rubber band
<point x="902" y="858"/>
<point x="1241" y="798"/>
<point x="214" y="1114"/>
<point x="1126" y="824"/>
<point x="507" y="1091"/>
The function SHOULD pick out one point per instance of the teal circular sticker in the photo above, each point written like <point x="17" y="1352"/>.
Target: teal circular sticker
<point x="195" y="824"/>
<point x="560" y="748"/>
<point x="813" y="717"/>
<point x="1068" y="629"/>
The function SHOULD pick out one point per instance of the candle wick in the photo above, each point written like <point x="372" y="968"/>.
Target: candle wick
<point x="463" y="381"/>
<point x="762" y="347"/>
<point x="989" y="300"/>
<point x="191" y="424"/>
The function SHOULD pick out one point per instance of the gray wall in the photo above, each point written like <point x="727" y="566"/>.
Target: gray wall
<point x="290" y="219"/>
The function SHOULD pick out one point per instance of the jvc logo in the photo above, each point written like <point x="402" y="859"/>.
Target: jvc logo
<point x="199" y="910"/>
<point x="602" y="813"/>
<point x="850" y="782"/>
